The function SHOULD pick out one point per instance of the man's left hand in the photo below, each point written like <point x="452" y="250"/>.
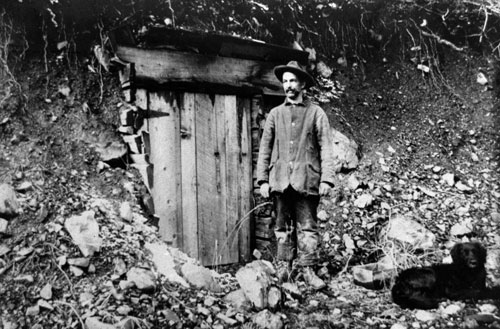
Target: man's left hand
<point x="324" y="189"/>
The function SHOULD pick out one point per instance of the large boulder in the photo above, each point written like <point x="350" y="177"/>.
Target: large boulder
<point x="165" y="263"/>
<point x="9" y="206"/>
<point x="407" y="230"/>
<point x="84" y="230"/>
<point x="255" y="280"/>
<point x="345" y="151"/>
<point x="267" y="320"/>
<point x="143" y="279"/>
<point x="200" y="277"/>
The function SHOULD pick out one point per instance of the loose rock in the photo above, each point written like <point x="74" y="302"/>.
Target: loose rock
<point x="95" y="323"/>
<point x="462" y="228"/>
<point x="267" y="320"/>
<point x="9" y="206"/>
<point x="46" y="292"/>
<point x="345" y="151"/>
<point x="80" y="262"/>
<point x="364" y="201"/>
<point x="143" y="279"/>
<point x="85" y="232"/>
<point x="425" y="316"/>
<point x="407" y="230"/>
<point x="255" y="280"/>
<point x="165" y="263"/>
<point x="200" y="277"/>
<point x="238" y="300"/>
<point x="3" y="225"/>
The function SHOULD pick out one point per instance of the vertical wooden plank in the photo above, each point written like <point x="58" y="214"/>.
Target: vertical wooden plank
<point x="232" y="159"/>
<point x="209" y="200"/>
<point x="189" y="175"/>
<point x="165" y="156"/>
<point x="221" y="252"/>
<point x="245" y="177"/>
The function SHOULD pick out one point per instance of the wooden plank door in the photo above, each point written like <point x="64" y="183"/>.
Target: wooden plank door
<point x="201" y="153"/>
<point x="224" y="178"/>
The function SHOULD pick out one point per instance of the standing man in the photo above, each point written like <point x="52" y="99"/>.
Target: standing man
<point x="295" y="167"/>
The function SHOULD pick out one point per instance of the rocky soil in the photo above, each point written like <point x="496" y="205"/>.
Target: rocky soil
<point x="429" y="155"/>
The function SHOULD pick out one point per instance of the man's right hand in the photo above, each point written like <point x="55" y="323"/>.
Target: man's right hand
<point x="264" y="190"/>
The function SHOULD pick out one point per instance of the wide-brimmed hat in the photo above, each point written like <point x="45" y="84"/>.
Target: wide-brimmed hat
<point x="296" y="69"/>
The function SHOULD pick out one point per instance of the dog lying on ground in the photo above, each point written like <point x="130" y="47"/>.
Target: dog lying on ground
<point x="464" y="278"/>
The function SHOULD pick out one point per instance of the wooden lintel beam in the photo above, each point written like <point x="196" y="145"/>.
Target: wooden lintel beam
<point x="170" y="67"/>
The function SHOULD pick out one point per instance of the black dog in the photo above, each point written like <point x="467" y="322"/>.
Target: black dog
<point x="465" y="278"/>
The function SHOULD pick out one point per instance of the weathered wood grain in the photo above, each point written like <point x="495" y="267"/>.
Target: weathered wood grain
<point x="164" y="66"/>
<point x="189" y="175"/>
<point x="165" y="156"/>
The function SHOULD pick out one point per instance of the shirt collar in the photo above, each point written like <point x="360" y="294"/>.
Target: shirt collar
<point x="303" y="103"/>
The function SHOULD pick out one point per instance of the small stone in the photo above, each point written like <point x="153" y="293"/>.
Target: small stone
<point x="274" y="297"/>
<point x="209" y="301"/>
<point x="144" y="279"/>
<point x="353" y="183"/>
<point x="322" y="215"/>
<point x="449" y="179"/>
<point x="76" y="271"/>
<point x="257" y="254"/>
<point x="170" y="316"/>
<point x="229" y="321"/>
<point x="237" y="299"/>
<point x="24" y="187"/>
<point x="3" y="225"/>
<point x="44" y="304"/>
<point x="125" y="285"/>
<point x="292" y="289"/>
<point x="80" y="262"/>
<point x="462" y="187"/>
<point x="126" y="212"/>
<point x="481" y="78"/>
<point x="9" y="205"/>
<point x="120" y="266"/>
<point x="314" y="303"/>
<point x="425" y="316"/>
<point x="46" y="292"/>
<point x="4" y="250"/>
<point x="266" y="319"/>
<point x="124" y="310"/>
<point x="363" y="201"/>
<point x="452" y="309"/>
<point x="200" y="277"/>
<point x="95" y="323"/>
<point x="398" y="326"/>
<point x="33" y="310"/>
<point x="85" y="298"/>
<point x="488" y="308"/>
<point x="462" y="228"/>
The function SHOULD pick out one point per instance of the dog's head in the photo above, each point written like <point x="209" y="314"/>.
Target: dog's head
<point x="470" y="254"/>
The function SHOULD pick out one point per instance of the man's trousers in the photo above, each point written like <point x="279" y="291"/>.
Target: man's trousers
<point x="296" y="227"/>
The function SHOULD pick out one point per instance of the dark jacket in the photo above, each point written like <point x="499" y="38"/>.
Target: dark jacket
<point x="296" y="149"/>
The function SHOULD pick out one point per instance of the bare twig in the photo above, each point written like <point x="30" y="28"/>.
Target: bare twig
<point x="60" y="269"/>
<point x="443" y="41"/>
<point x="74" y="311"/>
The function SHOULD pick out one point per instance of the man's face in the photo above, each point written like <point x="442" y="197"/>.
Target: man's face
<point x="292" y="85"/>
